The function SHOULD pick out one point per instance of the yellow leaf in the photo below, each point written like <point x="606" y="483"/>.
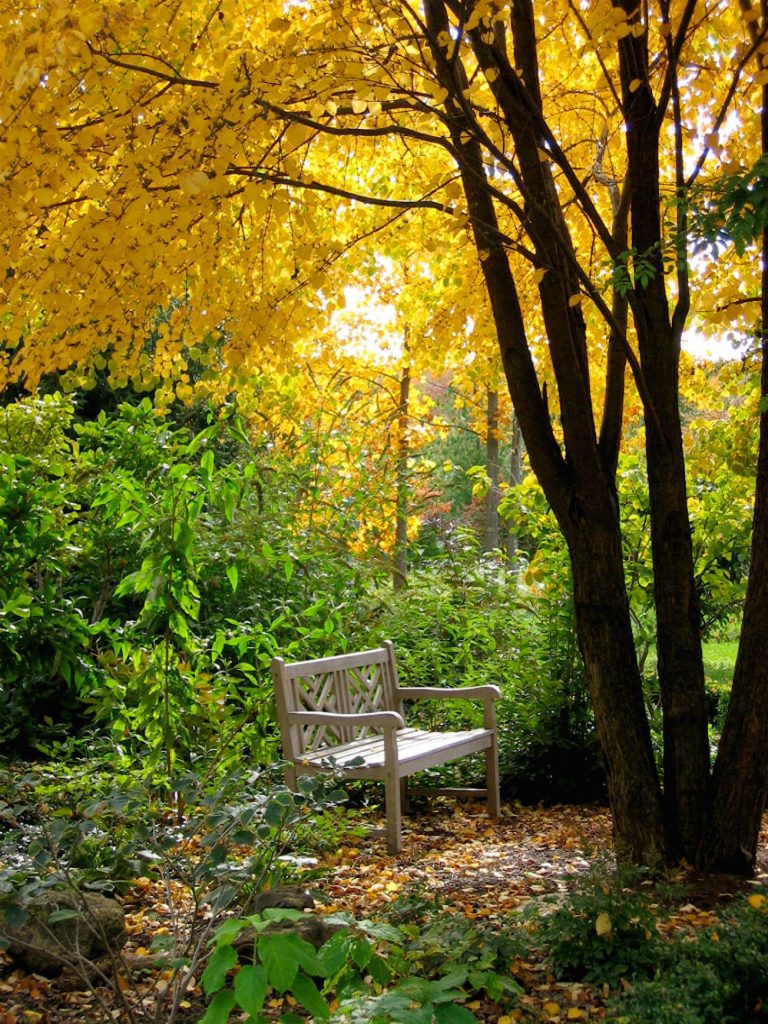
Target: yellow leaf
<point x="575" y="300"/>
<point x="538" y="275"/>
<point x="604" y="925"/>
<point x="551" y="1008"/>
<point x="757" y="900"/>
<point x="193" y="182"/>
<point x="492" y="74"/>
<point x="574" y="1013"/>
<point x="635" y="84"/>
<point x="359" y="106"/>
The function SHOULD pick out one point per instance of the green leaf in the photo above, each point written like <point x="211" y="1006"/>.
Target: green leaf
<point x="251" y="988"/>
<point x="207" y="462"/>
<point x="228" y="499"/>
<point x="362" y="951"/>
<point x="221" y="1007"/>
<point x="232" y="576"/>
<point x="279" y="959"/>
<point x="378" y="929"/>
<point x="62" y="915"/>
<point x="222" y="960"/>
<point x="333" y="954"/>
<point x="453" y="1013"/>
<point x="227" y="931"/>
<point x="13" y="914"/>
<point x="308" y="994"/>
<point x="454" y="978"/>
<point x="282" y="914"/>
<point x="379" y="970"/>
<point x="163" y="944"/>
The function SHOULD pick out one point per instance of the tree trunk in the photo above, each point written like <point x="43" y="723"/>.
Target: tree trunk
<point x="740" y="781"/>
<point x="491" y="536"/>
<point x="400" y="551"/>
<point x="607" y="647"/>
<point x="680" y="664"/>
<point x="580" y="492"/>
<point x="515" y="478"/>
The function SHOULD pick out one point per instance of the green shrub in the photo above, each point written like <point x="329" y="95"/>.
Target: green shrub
<point x="603" y="933"/>
<point x="716" y="976"/>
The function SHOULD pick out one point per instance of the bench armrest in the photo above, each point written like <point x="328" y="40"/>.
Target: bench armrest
<point x="486" y="693"/>
<point x="364" y="720"/>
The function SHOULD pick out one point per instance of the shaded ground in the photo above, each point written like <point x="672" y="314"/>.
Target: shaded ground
<point x="455" y="857"/>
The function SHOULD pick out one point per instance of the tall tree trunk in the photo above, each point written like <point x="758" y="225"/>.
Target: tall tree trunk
<point x="491" y="536"/>
<point x="608" y="649"/>
<point x="680" y="664"/>
<point x="581" y="493"/>
<point x="515" y="478"/>
<point x="402" y="484"/>
<point x="740" y="779"/>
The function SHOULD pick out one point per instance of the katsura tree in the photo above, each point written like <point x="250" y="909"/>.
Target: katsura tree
<point x="243" y="158"/>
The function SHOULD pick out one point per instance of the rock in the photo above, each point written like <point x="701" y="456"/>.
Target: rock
<point x="292" y="897"/>
<point x="42" y="946"/>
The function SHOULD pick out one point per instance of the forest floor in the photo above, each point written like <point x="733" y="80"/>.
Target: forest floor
<point x="454" y="857"/>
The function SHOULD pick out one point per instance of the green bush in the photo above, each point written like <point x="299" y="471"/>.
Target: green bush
<point x="149" y="571"/>
<point x="44" y="628"/>
<point x="603" y="933"/>
<point x="716" y="976"/>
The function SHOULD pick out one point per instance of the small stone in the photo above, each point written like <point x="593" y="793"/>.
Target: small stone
<point x="289" y="897"/>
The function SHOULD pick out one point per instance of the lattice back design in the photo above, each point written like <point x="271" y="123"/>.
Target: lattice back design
<point x="347" y="684"/>
<point x="348" y="691"/>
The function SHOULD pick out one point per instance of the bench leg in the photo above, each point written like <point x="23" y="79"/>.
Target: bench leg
<point x="290" y="777"/>
<point x="394" y="817"/>
<point x="492" y="779"/>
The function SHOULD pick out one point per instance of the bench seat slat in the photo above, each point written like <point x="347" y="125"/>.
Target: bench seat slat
<point x="414" y="747"/>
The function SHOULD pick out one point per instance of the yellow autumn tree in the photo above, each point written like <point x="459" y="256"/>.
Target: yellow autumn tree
<point x="235" y="164"/>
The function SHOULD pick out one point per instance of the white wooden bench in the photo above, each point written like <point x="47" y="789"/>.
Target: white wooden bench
<point x="345" y="713"/>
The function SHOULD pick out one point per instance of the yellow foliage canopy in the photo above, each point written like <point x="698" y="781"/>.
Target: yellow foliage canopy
<point x="240" y="164"/>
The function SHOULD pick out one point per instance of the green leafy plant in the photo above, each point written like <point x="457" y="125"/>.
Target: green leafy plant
<point x="438" y="942"/>
<point x="367" y="971"/>
<point x="713" y="976"/>
<point x="604" y="931"/>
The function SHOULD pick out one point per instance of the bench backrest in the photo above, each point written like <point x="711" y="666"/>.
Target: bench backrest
<point x="344" y="684"/>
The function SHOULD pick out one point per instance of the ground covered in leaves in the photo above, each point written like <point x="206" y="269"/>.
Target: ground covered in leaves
<point x="454" y="857"/>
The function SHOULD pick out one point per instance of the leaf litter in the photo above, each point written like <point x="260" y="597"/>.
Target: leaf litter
<point x="455" y="856"/>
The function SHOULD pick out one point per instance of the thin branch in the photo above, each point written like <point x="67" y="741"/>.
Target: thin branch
<point x="317" y="186"/>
